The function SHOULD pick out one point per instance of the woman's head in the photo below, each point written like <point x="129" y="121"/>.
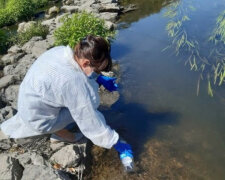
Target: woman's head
<point x="93" y="52"/>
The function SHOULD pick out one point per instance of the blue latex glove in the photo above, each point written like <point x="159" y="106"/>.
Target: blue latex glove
<point x="108" y="82"/>
<point x="124" y="149"/>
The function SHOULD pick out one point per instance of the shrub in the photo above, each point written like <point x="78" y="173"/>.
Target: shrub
<point x="34" y="30"/>
<point x="4" y="41"/>
<point x="79" y="26"/>
<point x="16" y="10"/>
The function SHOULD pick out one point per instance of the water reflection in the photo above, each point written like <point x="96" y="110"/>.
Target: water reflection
<point x="144" y="9"/>
<point x="211" y="63"/>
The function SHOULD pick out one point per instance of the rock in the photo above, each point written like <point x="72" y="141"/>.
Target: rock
<point x="56" y="146"/>
<point x="40" y="47"/>
<point x="110" y="73"/>
<point x="38" y="160"/>
<point x="53" y="11"/>
<point x="6" y="81"/>
<point x="24" y="26"/>
<point x="7" y="112"/>
<point x="29" y="45"/>
<point x="37" y="172"/>
<point x="10" y="168"/>
<point x="9" y="69"/>
<point x="108" y="98"/>
<point x="130" y="7"/>
<point x="70" y="9"/>
<point x="11" y="95"/>
<point x="11" y="58"/>
<point x="50" y="40"/>
<point x="2" y="103"/>
<point x="22" y="67"/>
<point x="109" y="25"/>
<point x="106" y="7"/>
<point x="59" y="18"/>
<point x="68" y="2"/>
<point x="108" y="16"/>
<point x="1" y="73"/>
<point x="24" y="159"/>
<point x="48" y="22"/>
<point x="33" y="158"/>
<point x="85" y="5"/>
<point x="68" y="156"/>
<point x="36" y="47"/>
<point x="14" y="49"/>
<point x="5" y="145"/>
<point x="108" y="1"/>
<point x="84" y="2"/>
<point x="5" y="142"/>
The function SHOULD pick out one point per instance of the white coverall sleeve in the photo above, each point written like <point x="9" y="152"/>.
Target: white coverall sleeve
<point x="90" y="121"/>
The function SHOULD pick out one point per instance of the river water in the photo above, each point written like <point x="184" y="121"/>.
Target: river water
<point x="175" y="133"/>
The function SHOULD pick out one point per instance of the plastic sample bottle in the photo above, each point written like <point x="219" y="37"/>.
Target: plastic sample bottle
<point x="127" y="162"/>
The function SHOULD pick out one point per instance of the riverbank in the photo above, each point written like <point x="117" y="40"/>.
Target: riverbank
<point x="40" y="159"/>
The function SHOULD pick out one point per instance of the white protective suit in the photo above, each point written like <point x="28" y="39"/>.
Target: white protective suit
<point x="53" y="88"/>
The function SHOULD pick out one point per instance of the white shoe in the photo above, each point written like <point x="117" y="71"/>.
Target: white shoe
<point x="77" y="136"/>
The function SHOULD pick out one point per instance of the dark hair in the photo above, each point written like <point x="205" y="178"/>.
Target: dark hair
<point x="97" y="50"/>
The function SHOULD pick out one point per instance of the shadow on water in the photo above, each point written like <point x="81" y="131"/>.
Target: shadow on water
<point x="135" y="124"/>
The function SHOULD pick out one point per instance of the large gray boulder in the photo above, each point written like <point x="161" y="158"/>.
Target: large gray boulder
<point x="36" y="46"/>
<point x="24" y="26"/>
<point x="48" y="22"/>
<point x="109" y="25"/>
<point x="31" y="158"/>
<point x="6" y="81"/>
<point x="14" y="49"/>
<point x="53" y="11"/>
<point x="8" y="70"/>
<point x="11" y="95"/>
<point x="39" y="172"/>
<point x="40" y="47"/>
<point x="11" y="58"/>
<point x="21" y="68"/>
<point x="108" y="16"/>
<point x="68" y="156"/>
<point x="10" y="168"/>
<point x="106" y="7"/>
<point x="70" y="9"/>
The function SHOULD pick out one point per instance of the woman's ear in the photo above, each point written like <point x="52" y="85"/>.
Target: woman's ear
<point x="85" y="63"/>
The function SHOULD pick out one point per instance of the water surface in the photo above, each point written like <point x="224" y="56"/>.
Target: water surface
<point x="175" y="133"/>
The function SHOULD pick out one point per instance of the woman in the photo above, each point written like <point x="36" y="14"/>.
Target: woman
<point x="60" y="88"/>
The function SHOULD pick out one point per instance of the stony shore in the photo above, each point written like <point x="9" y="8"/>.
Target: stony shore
<point x="41" y="159"/>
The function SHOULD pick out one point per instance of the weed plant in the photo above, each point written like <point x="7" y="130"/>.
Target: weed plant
<point x="210" y="67"/>
<point x="35" y="30"/>
<point x="4" y="41"/>
<point x="12" y="11"/>
<point x="79" y="26"/>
